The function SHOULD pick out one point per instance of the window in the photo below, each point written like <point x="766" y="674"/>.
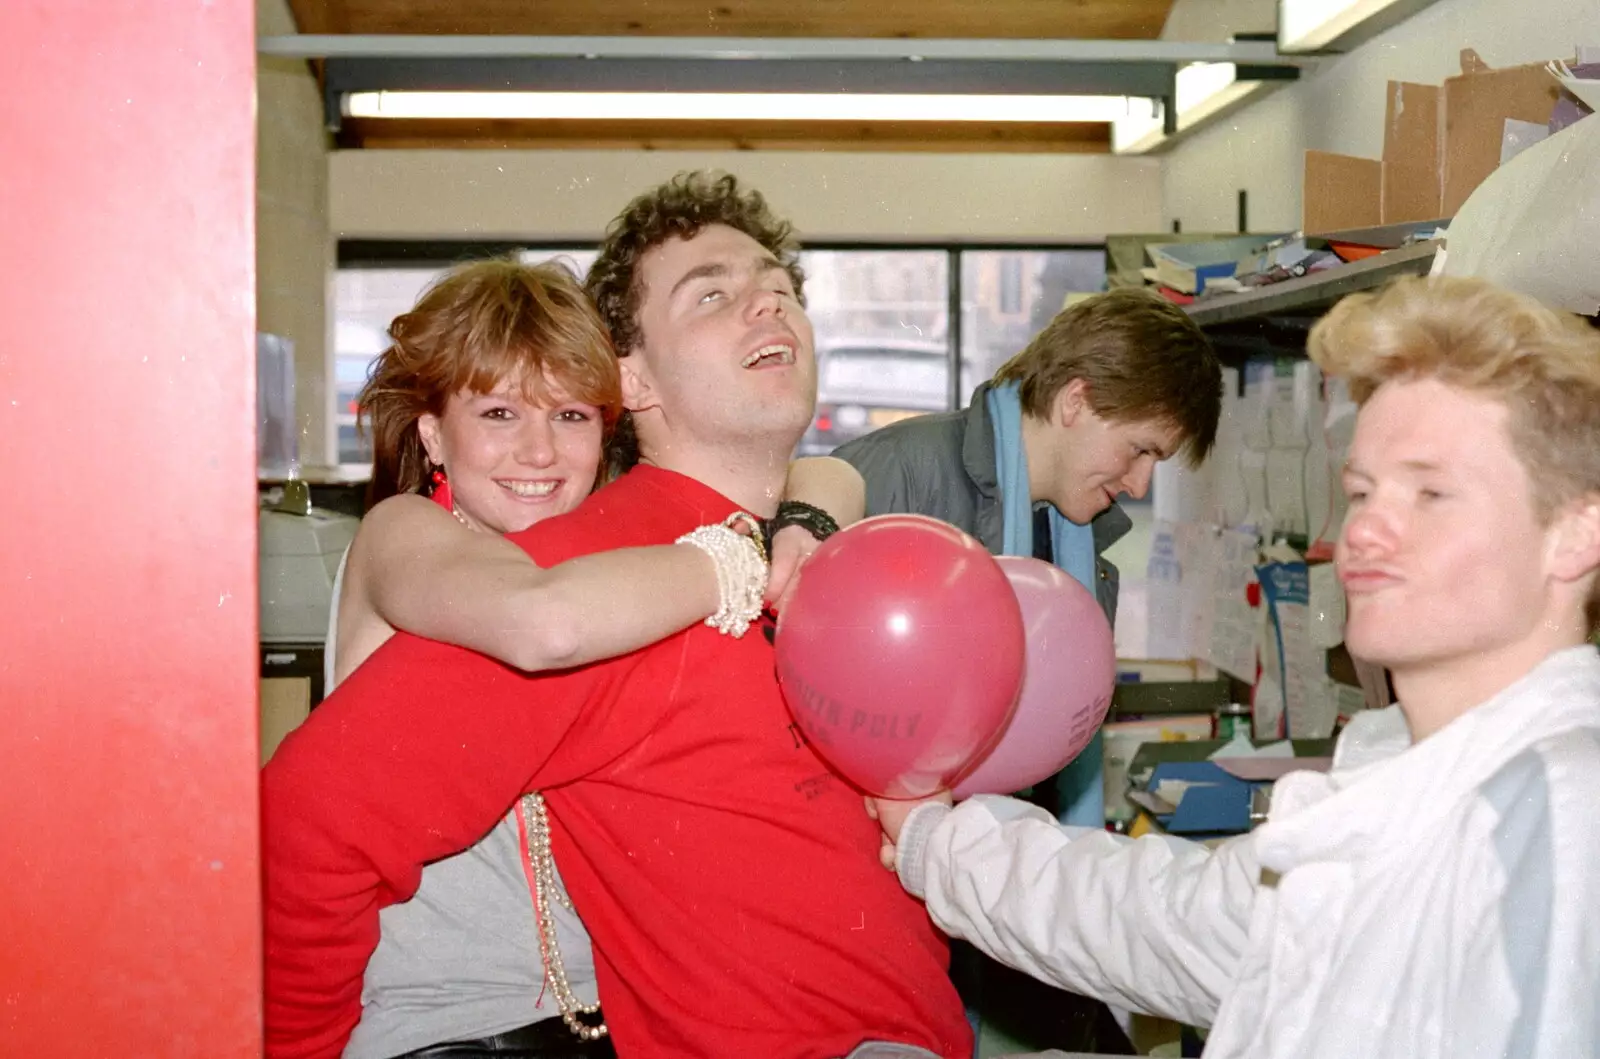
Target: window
<point x="1008" y="296"/>
<point x="365" y="301"/>
<point x="1010" y="284"/>
<point x="882" y="320"/>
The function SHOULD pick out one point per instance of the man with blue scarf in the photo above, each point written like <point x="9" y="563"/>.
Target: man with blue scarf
<point x="1113" y="385"/>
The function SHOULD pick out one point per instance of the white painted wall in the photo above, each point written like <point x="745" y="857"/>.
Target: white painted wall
<point x="489" y="194"/>
<point x="1340" y="106"/>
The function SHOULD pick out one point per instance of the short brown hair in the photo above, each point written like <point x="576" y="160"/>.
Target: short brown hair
<point x="1542" y="365"/>
<point x="1141" y="358"/>
<point x="677" y="209"/>
<point x="478" y="326"/>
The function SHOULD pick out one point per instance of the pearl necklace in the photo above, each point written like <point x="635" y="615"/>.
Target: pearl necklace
<point x="542" y="866"/>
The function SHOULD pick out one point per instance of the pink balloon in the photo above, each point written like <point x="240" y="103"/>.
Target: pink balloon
<point x="1067" y="679"/>
<point x="900" y="653"/>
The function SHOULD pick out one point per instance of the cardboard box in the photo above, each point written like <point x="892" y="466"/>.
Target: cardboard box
<point x="1340" y="191"/>
<point x="1411" y="177"/>
<point x="1475" y="106"/>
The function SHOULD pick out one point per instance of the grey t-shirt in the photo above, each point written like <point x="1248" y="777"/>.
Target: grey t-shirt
<point x="461" y="959"/>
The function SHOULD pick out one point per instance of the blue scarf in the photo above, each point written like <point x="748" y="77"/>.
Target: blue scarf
<point x="1080" y="784"/>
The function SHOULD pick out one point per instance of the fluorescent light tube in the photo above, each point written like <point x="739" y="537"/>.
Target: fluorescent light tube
<point x="751" y="106"/>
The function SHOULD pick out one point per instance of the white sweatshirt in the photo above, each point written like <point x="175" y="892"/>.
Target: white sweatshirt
<point x="1436" y="900"/>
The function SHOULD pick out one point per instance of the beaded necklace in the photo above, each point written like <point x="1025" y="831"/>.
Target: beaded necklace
<point x="542" y="870"/>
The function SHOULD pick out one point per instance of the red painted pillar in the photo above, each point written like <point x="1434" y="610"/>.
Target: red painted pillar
<point x="129" y="873"/>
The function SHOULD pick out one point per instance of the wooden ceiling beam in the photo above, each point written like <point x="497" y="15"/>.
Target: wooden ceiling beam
<point x="319" y="16"/>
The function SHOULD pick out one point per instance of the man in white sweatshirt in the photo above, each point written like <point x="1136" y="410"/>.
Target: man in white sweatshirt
<point x="1437" y="893"/>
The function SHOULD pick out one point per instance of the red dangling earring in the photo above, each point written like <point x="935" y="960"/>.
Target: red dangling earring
<point x="441" y="490"/>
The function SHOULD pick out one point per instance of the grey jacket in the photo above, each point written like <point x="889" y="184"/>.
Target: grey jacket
<point x="943" y="466"/>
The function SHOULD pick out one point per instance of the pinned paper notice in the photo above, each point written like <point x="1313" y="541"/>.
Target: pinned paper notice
<point x="1231" y="557"/>
<point x="1291" y="660"/>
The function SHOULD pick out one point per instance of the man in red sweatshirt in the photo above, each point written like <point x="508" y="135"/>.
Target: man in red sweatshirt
<point x="728" y="879"/>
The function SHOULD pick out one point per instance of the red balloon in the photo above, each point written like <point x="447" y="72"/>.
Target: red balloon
<point x="900" y="653"/>
<point x="1067" y="679"/>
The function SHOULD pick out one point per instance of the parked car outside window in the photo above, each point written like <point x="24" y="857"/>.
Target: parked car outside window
<point x="864" y="384"/>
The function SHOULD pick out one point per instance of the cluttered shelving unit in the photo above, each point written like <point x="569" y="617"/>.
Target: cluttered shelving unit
<point x="1275" y="320"/>
<point x="1263" y="309"/>
<point x="1310" y="296"/>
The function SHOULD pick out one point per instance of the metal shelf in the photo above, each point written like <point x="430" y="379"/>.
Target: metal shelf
<point x="1318" y="291"/>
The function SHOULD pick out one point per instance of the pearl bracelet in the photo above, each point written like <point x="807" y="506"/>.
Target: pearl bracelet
<point x="741" y="574"/>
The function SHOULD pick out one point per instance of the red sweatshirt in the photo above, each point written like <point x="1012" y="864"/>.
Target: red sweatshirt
<point x="729" y="880"/>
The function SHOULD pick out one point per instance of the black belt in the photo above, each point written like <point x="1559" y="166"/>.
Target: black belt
<point x="546" y="1039"/>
